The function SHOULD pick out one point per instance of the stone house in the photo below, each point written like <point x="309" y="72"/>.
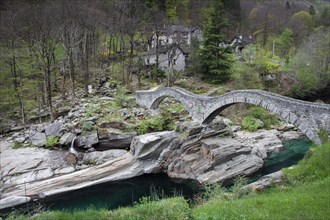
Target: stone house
<point x="240" y="42"/>
<point x="173" y="42"/>
<point x="171" y="57"/>
<point x="179" y="34"/>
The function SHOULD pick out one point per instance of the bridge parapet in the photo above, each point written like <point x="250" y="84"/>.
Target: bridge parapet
<point x="306" y="116"/>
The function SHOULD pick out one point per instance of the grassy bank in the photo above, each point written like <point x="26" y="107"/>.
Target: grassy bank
<point x="304" y="194"/>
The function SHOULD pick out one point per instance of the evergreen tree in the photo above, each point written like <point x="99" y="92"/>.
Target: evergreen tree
<point x="216" y="59"/>
<point x="287" y="5"/>
<point x="312" y="10"/>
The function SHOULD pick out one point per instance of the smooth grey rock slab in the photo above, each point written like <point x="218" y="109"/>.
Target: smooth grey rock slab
<point x="38" y="139"/>
<point x="13" y="200"/>
<point x="87" y="140"/>
<point x="67" y="138"/>
<point x="266" y="181"/>
<point x="151" y="145"/>
<point x="98" y="157"/>
<point x="115" y="139"/>
<point x="54" y="129"/>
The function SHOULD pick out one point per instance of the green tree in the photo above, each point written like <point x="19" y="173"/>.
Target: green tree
<point x="312" y="10"/>
<point x="324" y="18"/>
<point x="285" y="42"/>
<point x="216" y="59"/>
<point x="312" y="64"/>
<point x="301" y="25"/>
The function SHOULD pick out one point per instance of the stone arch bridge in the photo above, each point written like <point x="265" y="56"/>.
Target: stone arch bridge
<point x="308" y="117"/>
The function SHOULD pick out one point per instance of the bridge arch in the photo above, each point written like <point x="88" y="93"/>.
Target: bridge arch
<point x="287" y="117"/>
<point x="154" y="106"/>
<point x="190" y="101"/>
<point x="308" y="117"/>
<point x="262" y="99"/>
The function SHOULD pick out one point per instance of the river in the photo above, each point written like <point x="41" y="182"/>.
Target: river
<point x="129" y="192"/>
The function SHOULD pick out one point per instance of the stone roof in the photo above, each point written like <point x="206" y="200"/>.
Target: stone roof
<point x="164" y="48"/>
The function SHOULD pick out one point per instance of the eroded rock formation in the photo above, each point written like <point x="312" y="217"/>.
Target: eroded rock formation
<point x="207" y="154"/>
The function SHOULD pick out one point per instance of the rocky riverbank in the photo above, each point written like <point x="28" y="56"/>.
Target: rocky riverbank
<point x="205" y="153"/>
<point x="109" y="148"/>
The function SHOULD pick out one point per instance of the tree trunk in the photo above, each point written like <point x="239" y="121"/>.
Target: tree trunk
<point x="85" y="60"/>
<point x="157" y="56"/>
<point x="49" y="90"/>
<point x="21" y="103"/>
<point x="72" y="74"/>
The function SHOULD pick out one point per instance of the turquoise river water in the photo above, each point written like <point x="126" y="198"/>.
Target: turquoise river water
<point x="129" y="192"/>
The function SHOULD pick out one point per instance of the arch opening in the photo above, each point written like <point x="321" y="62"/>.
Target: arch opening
<point x="171" y="108"/>
<point x="244" y="113"/>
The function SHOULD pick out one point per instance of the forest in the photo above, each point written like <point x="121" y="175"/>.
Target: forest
<point x="57" y="48"/>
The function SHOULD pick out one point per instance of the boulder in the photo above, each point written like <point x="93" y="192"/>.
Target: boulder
<point x="13" y="200"/>
<point x="98" y="157"/>
<point x="266" y="181"/>
<point x="28" y="177"/>
<point x="29" y="164"/>
<point x="268" y="140"/>
<point x="67" y="138"/>
<point x="290" y="135"/>
<point x="286" y="127"/>
<point x="149" y="146"/>
<point x="92" y="119"/>
<point x="124" y="113"/>
<point x="62" y="111"/>
<point x="38" y="139"/>
<point x="106" y="98"/>
<point x="216" y="156"/>
<point x="20" y="139"/>
<point x="5" y="128"/>
<point x="38" y="127"/>
<point x="113" y="124"/>
<point x="220" y="123"/>
<point x="18" y="128"/>
<point x="115" y="139"/>
<point x="54" y="129"/>
<point x="189" y="128"/>
<point x="213" y="159"/>
<point x="87" y="140"/>
<point x="138" y="111"/>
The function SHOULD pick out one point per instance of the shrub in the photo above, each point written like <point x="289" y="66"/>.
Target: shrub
<point x="121" y="97"/>
<point x="250" y="123"/>
<point x="51" y="141"/>
<point x="259" y="118"/>
<point x="87" y="126"/>
<point x="268" y="118"/>
<point x="90" y="110"/>
<point x="17" y="145"/>
<point x="324" y="135"/>
<point x="156" y="123"/>
<point x="238" y="189"/>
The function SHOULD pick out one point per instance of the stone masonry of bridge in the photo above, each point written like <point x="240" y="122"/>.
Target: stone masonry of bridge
<point x="308" y="117"/>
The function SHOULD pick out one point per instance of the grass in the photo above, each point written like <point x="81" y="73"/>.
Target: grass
<point x="175" y="208"/>
<point x="315" y="166"/>
<point x="304" y="202"/>
<point x="304" y="195"/>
